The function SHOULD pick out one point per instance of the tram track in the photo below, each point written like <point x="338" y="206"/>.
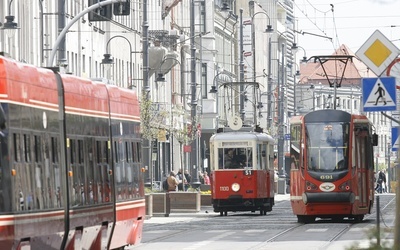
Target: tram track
<point x="279" y="227"/>
<point x="342" y="228"/>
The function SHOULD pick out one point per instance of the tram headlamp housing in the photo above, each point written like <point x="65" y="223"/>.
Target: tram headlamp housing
<point x="235" y="187"/>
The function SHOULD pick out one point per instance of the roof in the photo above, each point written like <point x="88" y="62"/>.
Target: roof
<point x="354" y="69"/>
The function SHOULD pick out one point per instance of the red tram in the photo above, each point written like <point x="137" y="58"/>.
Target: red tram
<point x="70" y="172"/>
<point x="332" y="166"/>
<point x="242" y="172"/>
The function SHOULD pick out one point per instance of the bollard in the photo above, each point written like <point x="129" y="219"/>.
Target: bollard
<point x="149" y="205"/>
<point x="167" y="204"/>
<point x="378" y="211"/>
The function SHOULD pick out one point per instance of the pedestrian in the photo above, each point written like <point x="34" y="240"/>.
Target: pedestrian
<point x="379" y="183"/>
<point x="172" y="182"/>
<point x="181" y="179"/>
<point x="382" y="176"/>
<point x="188" y="179"/>
<point x="206" y="178"/>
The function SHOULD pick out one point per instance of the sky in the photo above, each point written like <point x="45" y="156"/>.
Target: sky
<point x="349" y="22"/>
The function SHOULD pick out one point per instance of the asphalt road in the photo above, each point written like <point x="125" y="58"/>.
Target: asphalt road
<point x="276" y="230"/>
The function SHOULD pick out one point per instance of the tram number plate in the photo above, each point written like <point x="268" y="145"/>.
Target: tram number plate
<point x="247" y="172"/>
<point x="223" y="188"/>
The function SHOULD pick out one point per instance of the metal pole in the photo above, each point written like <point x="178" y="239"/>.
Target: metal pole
<point x="397" y="221"/>
<point x="334" y="95"/>
<point x="378" y="229"/>
<point x="281" y="115"/>
<point x="388" y="188"/>
<point x="61" y="25"/>
<point x="269" y="85"/>
<point x="241" y="64"/>
<point x="193" y="87"/>
<point x="146" y="88"/>
<point x="62" y="34"/>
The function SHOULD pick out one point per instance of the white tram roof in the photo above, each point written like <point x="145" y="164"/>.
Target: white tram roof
<point x="241" y="136"/>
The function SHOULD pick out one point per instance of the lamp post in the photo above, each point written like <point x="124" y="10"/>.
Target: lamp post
<point x="194" y="159"/>
<point x="269" y="29"/>
<point x="108" y="60"/>
<point x="214" y="90"/>
<point x="295" y="48"/>
<point x="10" y="27"/>
<point x="281" y="82"/>
<point x="160" y="78"/>
<point x="281" y="113"/>
<point x="388" y="168"/>
<point x="146" y="88"/>
<point x="241" y="66"/>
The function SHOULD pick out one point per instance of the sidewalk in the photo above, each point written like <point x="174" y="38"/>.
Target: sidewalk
<point x="204" y="211"/>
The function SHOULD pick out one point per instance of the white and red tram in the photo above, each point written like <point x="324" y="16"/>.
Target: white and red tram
<point x="242" y="172"/>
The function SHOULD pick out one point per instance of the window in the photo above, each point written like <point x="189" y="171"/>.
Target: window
<point x="204" y="79"/>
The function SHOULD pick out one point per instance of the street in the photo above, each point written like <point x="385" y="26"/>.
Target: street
<point x="277" y="230"/>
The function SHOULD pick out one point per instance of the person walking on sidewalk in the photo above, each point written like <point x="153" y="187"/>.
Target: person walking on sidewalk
<point x="172" y="182"/>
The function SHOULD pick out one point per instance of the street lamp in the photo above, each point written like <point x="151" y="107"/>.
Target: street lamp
<point x="172" y="134"/>
<point x="108" y="61"/>
<point x="214" y="90"/>
<point x="295" y="48"/>
<point x="10" y="27"/>
<point x="269" y="30"/>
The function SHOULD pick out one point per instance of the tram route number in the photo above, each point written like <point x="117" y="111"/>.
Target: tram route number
<point x="326" y="177"/>
<point x="247" y="172"/>
<point x="223" y="188"/>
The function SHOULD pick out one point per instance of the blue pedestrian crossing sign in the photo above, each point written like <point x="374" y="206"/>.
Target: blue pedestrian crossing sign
<point x="379" y="94"/>
<point x="395" y="138"/>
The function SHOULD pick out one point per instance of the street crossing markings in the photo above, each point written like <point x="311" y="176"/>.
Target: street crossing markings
<point x="316" y="230"/>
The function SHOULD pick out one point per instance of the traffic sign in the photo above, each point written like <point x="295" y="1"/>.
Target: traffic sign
<point x="377" y="52"/>
<point x="395" y="138"/>
<point x="379" y="94"/>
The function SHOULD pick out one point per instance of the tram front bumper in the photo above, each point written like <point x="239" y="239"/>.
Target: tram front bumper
<point x="331" y="197"/>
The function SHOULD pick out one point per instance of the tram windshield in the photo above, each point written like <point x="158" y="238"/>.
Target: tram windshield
<point x="327" y="146"/>
<point x="234" y="158"/>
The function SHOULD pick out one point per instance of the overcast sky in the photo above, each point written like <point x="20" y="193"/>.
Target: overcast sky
<point x="351" y="23"/>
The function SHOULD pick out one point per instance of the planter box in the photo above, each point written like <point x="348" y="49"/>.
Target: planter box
<point x="178" y="202"/>
<point x="206" y="199"/>
<point x="185" y="201"/>
<point x="160" y="206"/>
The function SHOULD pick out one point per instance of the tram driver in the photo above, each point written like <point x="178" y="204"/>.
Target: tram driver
<point x="229" y="158"/>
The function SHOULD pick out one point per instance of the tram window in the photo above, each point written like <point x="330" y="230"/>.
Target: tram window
<point x="80" y="152"/>
<point x="106" y="152"/>
<point x="261" y="157"/>
<point x="72" y="150"/>
<point x="38" y="157"/>
<point x="27" y="148"/>
<point x="98" y="151"/>
<point x="116" y="151"/>
<point x="139" y="152"/>
<point x="134" y="152"/>
<point x="235" y="158"/>
<point x="54" y="150"/>
<point x="127" y="151"/>
<point x="16" y="148"/>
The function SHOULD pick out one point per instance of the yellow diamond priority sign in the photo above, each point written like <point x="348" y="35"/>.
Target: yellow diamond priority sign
<point x="377" y="52"/>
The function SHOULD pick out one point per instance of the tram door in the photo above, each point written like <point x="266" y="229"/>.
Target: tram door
<point x="361" y="163"/>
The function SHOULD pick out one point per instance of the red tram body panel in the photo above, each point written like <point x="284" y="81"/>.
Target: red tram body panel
<point x="332" y="168"/>
<point x="70" y="170"/>
<point x="242" y="173"/>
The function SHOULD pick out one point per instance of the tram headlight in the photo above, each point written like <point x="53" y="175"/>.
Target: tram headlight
<point x="235" y="187"/>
